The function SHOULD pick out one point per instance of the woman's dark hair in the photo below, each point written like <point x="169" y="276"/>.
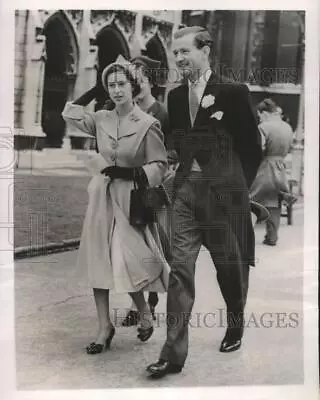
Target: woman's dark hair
<point x="136" y="88"/>
<point x="267" y="105"/>
<point x="151" y="74"/>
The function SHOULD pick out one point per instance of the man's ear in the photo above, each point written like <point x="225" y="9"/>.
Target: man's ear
<point x="206" y="50"/>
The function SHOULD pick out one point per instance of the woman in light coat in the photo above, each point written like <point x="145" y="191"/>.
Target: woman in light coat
<point x="114" y="254"/>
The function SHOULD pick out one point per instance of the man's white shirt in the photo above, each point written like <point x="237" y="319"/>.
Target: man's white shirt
<point x="199" y="87"/>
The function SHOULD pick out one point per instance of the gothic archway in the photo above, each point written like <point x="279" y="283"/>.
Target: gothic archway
<point x="111" y="43"/>
<point x="62" y="55"/>
<point x="156" y="51"/>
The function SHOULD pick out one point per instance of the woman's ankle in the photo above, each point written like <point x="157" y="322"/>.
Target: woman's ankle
<point x="146" y="320"/>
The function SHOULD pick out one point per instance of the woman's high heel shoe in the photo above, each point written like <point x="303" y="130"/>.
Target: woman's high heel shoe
<point x="96" y="348"/>
<point x="145" y="333"/>
<point x="131" y="319"/>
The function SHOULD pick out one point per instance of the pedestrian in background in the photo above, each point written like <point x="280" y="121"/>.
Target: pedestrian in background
<point x="114" y="254"/>
<point x="271" y="183"/>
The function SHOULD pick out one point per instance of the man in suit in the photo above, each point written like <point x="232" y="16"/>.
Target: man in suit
<point x="215" y="133"/>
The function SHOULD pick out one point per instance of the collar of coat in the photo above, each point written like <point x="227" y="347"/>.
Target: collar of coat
<point x="134" y="122"/>
<point x="213" y="87"/>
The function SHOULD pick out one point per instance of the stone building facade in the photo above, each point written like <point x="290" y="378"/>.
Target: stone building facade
<point x="261" y="48"/>
<point x="59" y="54"/>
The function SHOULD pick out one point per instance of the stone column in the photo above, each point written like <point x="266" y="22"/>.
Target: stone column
<point x="34" y="83"/>
<point x="137" y="42"/>
<point x="240" y="45"/>
<point x="86" y="73"/>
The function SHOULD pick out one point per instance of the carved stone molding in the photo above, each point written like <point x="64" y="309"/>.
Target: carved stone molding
<point x="101" y="18"/>
<point x="125" y="21"/>
<point x="39" y="49"/>
<point x="152" y="26"/>
<point x="92" y="58"/>
<point x="165" y="30"/>
<point x="75" y="17"/>
<point x="149" y="29"/>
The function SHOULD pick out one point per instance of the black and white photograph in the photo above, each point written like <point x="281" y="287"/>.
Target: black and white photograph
<point x="163" y="199"/>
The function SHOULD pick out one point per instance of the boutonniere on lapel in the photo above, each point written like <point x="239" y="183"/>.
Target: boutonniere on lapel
<point x="208" y="101"/>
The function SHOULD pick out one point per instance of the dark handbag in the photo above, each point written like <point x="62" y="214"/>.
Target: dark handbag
<point x="144" y="202"/>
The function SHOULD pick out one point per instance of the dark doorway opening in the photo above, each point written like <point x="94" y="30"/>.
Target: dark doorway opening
<point x="60" y="74"/>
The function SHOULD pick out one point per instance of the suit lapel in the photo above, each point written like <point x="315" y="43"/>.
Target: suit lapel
<point x="212" y="88"/>
<point x="184" y="103"/>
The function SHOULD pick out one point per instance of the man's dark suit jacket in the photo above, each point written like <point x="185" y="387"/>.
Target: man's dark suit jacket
<point x="228" y="151"/>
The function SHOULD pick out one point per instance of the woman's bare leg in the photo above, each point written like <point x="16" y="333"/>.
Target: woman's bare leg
<point x="101" y="297"/>
<point x="144" y="309"/>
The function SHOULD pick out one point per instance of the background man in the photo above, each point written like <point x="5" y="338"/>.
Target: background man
<point x="271" y="183"/>
<point x="146" y="71"/>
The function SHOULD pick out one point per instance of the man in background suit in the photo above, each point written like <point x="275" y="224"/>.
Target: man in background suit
<point x="146" y="72"/>
<point x="214" y="131"/>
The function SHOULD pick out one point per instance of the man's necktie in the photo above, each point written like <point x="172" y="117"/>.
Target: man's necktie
<point x="193" y="107"/>
<point x="193" y="102"/>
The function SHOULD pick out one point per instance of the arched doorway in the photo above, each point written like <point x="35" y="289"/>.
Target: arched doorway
<point x="111" y="43"/>
<point x="156" y="51"/>
<point x="60" y="75"/>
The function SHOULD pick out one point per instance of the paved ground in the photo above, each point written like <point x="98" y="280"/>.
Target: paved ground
<point x="52" y="162"/>
<point x="56" y="319"/>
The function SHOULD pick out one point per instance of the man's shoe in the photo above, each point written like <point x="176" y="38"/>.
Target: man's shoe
<point x="162" y="368"/>
<point x="229" y="346"/>
<point x="231" y="341"/>
<point x="268" y="243"/>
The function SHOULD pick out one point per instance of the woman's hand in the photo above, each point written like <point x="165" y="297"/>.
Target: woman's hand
<point x="128" y="174"/>
<point x="119" y="173"/>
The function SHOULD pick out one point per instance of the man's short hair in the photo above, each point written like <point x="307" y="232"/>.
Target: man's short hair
<point x="201" y="35"/>
<point x="267" y="105"/>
